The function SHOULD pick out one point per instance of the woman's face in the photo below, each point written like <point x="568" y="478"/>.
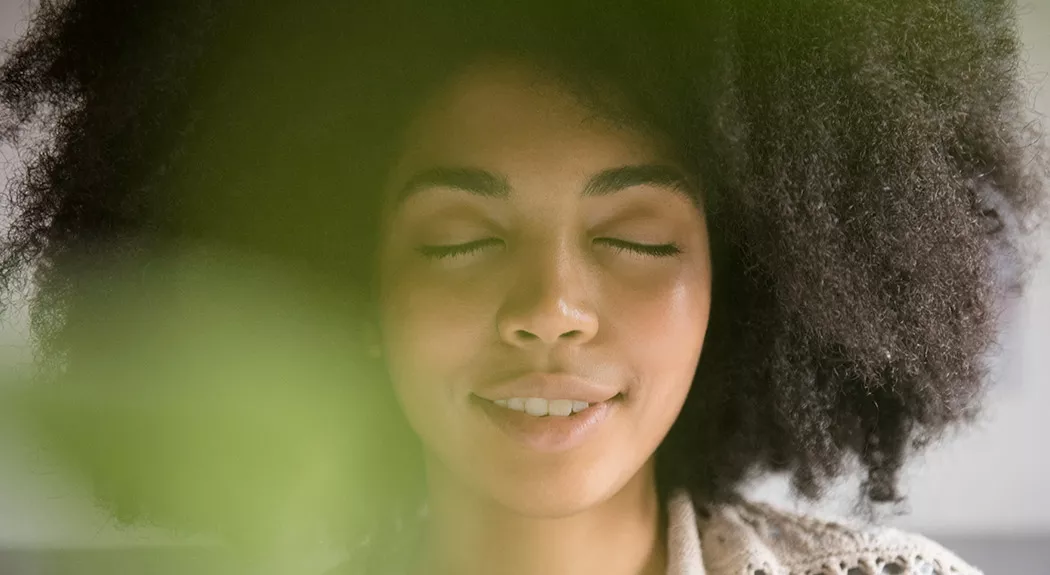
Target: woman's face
<point x="545" y="288"/>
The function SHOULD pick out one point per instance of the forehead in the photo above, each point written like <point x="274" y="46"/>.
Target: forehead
<point x="510" y="117"/>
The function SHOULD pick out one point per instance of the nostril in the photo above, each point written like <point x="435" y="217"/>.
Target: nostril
<point x="525" y="335"/>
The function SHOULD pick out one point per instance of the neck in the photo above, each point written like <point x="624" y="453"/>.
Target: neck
<point x="472" y="535"/>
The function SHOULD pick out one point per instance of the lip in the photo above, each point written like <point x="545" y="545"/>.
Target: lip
<point x="548" y="386"/>
<point x="547" y="434"/>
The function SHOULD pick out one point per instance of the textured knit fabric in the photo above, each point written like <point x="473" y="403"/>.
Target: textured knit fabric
<point x="745" y="538"/>
<point x="756" y="539"/>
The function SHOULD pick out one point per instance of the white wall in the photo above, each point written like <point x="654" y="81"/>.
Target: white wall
<point x="992" y="480"/>
<point x="12" y="330"/>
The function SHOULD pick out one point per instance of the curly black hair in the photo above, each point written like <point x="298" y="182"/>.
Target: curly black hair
<point x="870" y="176"/>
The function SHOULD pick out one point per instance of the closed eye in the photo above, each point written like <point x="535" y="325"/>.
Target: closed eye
<point x="441" y="252"/>
<point x="652" y="250"/>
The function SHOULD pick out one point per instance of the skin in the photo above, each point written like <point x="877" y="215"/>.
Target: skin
<point x="544" y="276"/>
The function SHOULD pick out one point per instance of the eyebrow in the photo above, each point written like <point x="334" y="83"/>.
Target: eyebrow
<point x="471" y="180"/>
<point x="613" y="180"/>
<point x="490" y="185"/>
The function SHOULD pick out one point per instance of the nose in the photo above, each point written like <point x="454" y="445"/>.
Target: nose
<point x="549" y="306"/>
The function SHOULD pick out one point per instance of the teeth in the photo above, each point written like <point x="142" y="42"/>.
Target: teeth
<point x="539" y="407"/>
<point x="560" y="407"/>
<point x="536" y="406"/>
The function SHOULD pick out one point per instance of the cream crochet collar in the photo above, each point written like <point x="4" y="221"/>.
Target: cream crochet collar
<point x="746" y="538"/>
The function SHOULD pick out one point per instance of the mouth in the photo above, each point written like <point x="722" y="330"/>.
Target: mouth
<point x="546" y="425"/>
<point x="540" y="407"/>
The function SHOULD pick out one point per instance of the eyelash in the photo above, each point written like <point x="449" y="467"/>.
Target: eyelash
<point x="456" y="250"/>
<point x="652" y="250"/>
<point x="441" y="252"/>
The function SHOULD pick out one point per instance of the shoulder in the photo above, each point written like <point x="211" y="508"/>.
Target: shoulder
<point x="748" y="538"/>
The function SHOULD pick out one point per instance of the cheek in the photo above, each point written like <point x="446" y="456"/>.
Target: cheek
<point x="660" y="327"/>
<point x="431" y="330"/>
<point x="673" y="310"/>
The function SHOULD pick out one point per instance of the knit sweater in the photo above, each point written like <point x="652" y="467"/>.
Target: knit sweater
<point x="746" y="538"/>
<point x="756" y="539"/>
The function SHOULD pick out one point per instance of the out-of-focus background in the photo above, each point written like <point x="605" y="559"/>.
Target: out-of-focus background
<point x="984" y="494"/>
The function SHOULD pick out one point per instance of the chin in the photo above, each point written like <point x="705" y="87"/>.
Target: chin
<point x="552" y="494"/>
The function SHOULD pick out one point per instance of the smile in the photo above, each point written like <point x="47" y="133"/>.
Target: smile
<point x="539" y="407"/>
<point x="546" y="425"/>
